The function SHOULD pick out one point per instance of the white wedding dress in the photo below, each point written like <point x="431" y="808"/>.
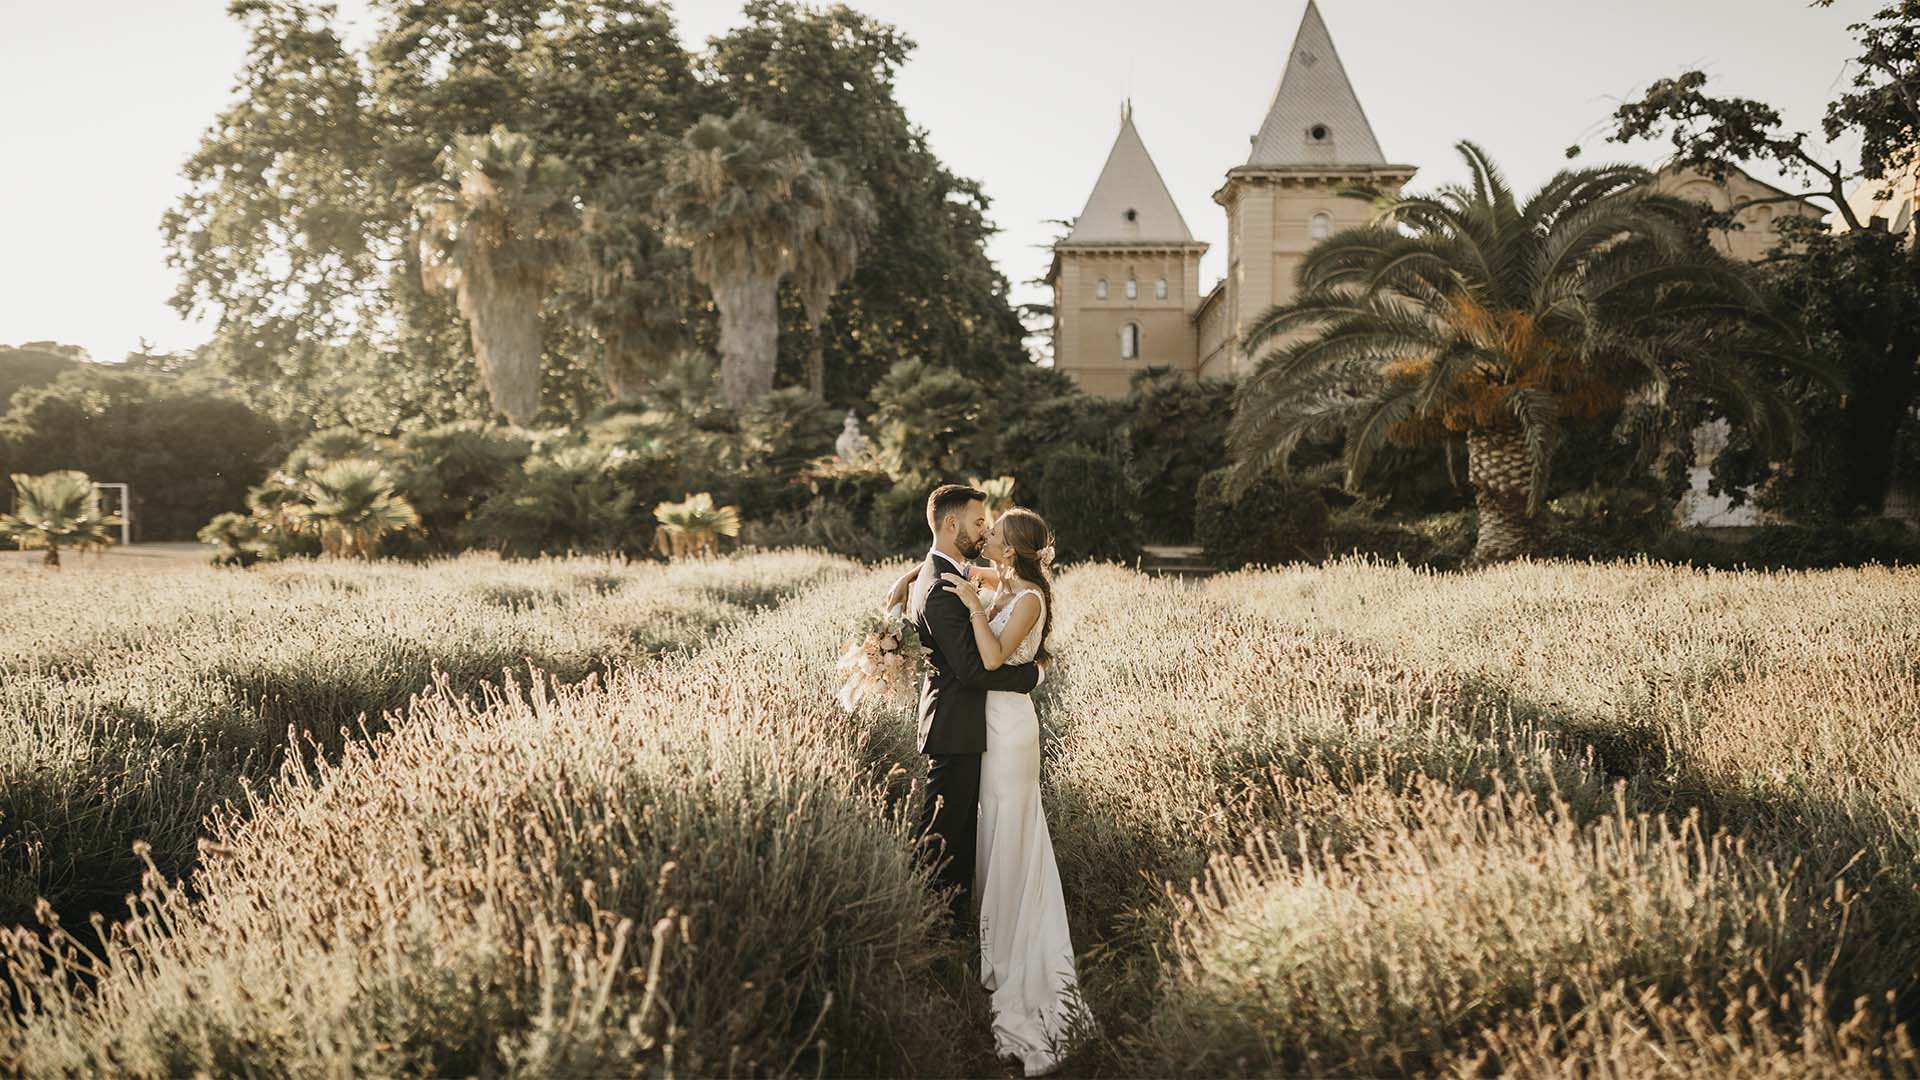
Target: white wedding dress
<point x="1026" y="957"/>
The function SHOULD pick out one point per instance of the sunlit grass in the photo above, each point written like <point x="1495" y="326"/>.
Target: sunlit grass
<point x="1544" y="820"/>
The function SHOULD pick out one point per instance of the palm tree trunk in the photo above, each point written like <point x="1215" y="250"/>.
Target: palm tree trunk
<point x="53" y="555"/>
<point x="749" y="337"/>
<point x="504" y="318"/>
<point x="1502" y="475"/>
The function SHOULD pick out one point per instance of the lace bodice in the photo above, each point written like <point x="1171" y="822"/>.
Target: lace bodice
<point x="1028" y="649"/>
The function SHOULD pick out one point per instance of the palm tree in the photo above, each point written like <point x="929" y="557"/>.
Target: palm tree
<point x="499" y="225"/>
<point x="694" y="527"/>
<point x="57" y="510"/>
<point x="352" y="505"/>
<point x="745" y="196"/>
<point x="826" y="257"/>
<point x="634" y="289"/>
<point x="1469" y="314"/>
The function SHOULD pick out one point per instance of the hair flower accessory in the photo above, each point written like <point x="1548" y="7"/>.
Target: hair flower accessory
<point x="1046" y="556"/>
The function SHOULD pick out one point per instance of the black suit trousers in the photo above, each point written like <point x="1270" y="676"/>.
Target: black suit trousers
<point x="950" y="825"/>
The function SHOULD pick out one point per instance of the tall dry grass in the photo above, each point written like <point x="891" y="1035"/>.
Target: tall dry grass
<point x="132" y="704"/>
<point x="696" y="868"/>
<point x="1542" y="820"/>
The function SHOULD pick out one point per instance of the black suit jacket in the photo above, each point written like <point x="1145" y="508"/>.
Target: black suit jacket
<point x="953" y="696"/>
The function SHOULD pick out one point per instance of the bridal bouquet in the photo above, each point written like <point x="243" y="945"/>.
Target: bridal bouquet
<point x="885" y="657"/>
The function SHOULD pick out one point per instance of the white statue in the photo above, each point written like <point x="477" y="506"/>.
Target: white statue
<point x="851" y="445"/>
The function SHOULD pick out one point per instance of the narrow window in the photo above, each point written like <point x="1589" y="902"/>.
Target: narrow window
<point x="1130" y="341"/>
<point x="1100" y="289"/>
<point x="1160" y="289"/>
<point x="1320" y="226"/>
<point x="1133" y="289"/>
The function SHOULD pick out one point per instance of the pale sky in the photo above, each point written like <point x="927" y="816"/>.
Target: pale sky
<point x="102" y="101"/>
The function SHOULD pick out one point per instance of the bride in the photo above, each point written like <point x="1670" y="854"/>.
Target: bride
<point x="1026" y="956"/>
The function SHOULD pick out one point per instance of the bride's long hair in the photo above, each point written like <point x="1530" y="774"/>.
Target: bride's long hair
<point x="1028" y="536"/>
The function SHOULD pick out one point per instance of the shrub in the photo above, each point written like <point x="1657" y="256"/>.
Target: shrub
<point x="929" y="423"/>
<point x="1178" y="428"/>
<point x="1274" y="522"/>
<point x="787" y="429"/>
<point x="447" y="472"/>
<point x="1440" y="541"/>
<point x="565" y="502"/>
<point x="1603" y="523"/>
<point x="1087" y="498"/>
<point x="898" y="520"/>
<point x="237" y="539"/>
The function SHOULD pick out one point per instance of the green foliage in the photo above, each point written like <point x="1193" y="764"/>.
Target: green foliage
<point x="351" y="506"/>
<point x="300" y="196"/>
<point x="898" y="518"/>
<point x="237" y="539"/>
<point x="929" y="424"/>
<point x="1179" y="429"/>
<point x="1478" y="313"/>
<point x="924" y="286"/>
<point x="185" y="451"/>
<point x="1273" y="522"/>
<point x="446" y="472"/>
<point x="1855" y="292"/>
<point x="1605" y="523"/>
<point x="57" y="510"/>
<point x="1794" y="547"/>
<point x="1441" y="541"/>
<point x="35" y="363"/>
<point x="694" y="525"/>
<point x="787" y="429"/>
<point x="1852" y="285"/>
<point x="1092" y="505"/>
<point x="564" y="502"/>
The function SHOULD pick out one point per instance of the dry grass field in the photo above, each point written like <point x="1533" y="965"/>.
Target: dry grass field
<point x="1542" y="820"/>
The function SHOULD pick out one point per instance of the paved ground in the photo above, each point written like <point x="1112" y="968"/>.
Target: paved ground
<point x="139" y="557"/>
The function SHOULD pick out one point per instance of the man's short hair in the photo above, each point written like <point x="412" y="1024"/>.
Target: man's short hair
<point x="947" y="499"/>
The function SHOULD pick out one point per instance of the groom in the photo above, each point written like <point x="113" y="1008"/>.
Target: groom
<point x="953" y="698"/>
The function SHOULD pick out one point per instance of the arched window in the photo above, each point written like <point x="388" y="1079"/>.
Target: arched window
<point x="1320" y="225"/>
<point x="1130" y="341"/>
<point x="1100" y="289"/>
<point x="1133" y="288"/>
<point x="1160" y="289"/>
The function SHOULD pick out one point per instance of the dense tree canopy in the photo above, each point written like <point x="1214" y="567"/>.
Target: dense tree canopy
<point x="299" y="232"/>
<point x="1853" y="285"/>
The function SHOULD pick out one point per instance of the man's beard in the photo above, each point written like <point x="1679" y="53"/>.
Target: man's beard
<point x="970" y="547"/>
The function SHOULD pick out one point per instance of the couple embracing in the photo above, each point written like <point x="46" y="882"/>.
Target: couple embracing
<point x="986" y="630"/>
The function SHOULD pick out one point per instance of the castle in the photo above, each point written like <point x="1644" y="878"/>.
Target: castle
<point x="1126" y="287"/>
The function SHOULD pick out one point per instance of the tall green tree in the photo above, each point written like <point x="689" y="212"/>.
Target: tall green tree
<point x="499" y="226"/>
<point x="746" y="197"/>
<point x="924" y="287"/>
<point x="299" y="235"/>
<point x="1856" y="285"/>
<point x="1473" y="314"/>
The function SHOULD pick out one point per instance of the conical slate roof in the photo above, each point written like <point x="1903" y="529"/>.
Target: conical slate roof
<point x="1130" y="203"/>
<point x="1315" y="119"/>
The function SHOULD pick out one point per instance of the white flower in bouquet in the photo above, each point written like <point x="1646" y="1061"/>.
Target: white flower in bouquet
<point x="883" y="659"/>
